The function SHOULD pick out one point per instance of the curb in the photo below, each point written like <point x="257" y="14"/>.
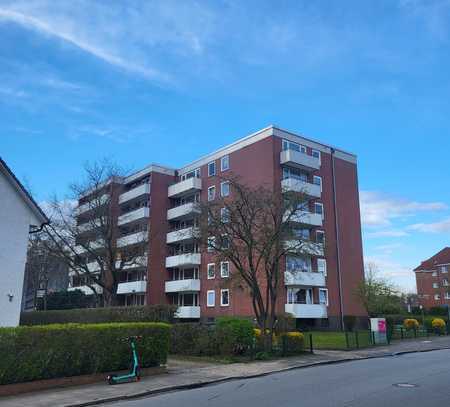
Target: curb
<point x="252" y="376"/>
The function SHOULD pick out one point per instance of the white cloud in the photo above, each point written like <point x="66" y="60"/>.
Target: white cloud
<point x="434" y="227"/>
<point x="379" y="210"/>
<point x="387" y="233"/>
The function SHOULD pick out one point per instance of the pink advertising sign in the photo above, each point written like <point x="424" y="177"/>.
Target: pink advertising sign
<point x="382" y="325"/>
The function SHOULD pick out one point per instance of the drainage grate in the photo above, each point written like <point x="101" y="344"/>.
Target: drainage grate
<point x="407" y="385"/>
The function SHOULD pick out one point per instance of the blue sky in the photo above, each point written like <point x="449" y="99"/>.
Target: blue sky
<point x="168" y="81"/>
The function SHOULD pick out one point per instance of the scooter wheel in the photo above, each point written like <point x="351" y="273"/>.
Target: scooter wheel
<point x="111" y="378"/>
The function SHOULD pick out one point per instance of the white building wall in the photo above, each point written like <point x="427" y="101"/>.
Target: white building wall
<point x="15" y="220"/>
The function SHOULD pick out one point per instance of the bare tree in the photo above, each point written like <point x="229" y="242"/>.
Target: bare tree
<point x="254" y="229"/>
<point x="83" y="232"/>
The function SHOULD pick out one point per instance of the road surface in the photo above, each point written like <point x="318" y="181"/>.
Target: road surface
<point x="419" y="379"/>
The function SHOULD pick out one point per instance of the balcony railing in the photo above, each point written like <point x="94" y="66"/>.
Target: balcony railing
<point x="86" y="290"/>
<point x="188" y="311"/>
<point x="299" y="160"/>
<point x="135" y="238"/>
<point x="137" y="214"/>
<point x="306" y="310"/>
<point x="177" y="286"/>
<point x="182" y="234"/>
<point x="297" y="185"/>
<point x="183" y="260"/>
<point x="305" y="247"/>
<point x="131" y="287"/>
<point x="183" y="211"/>
<point x="307" y="278"/>
<point x="308" y="218"/>
<point x="93" y="204"/>
<point x="140" y="190"/>
<point x="185" y="187"/>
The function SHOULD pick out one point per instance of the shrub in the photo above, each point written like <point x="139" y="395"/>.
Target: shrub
<point x="147" y="313"/>
<point x="410" y="323"/>
<point x="285" y="323"/>
<point x="51" y="351"/>
<point x="291" y="343"/>
<point x="193" y="339"/>
<point x="438" y="324"/>
<point x="234" y="335"/>
<point x="59" y="300"/>
<point x="442" y="311"/>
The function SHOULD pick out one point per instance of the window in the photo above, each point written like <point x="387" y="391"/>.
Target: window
<point x="320" y="236"/>
<point x="317" y="181"/>
<point x="210" y="298"/>
<point x="315" y="153"/>
<point x="211" y="169"/>
<point x="318" y="208"/>
<point x="444" y="269"/>
<point x="225" y="163"/>
<point x="225" y="242"/>
<point x="295" y="174"/>
<point x="322" y="266"/>
<point x="435" y="285"/>
<point x="211" y="243"/>
<point x="225" y="188"/>
<point x="434" y="274"/>
<point x="437" y="297"/>
<point x="294" y="263"/>
<point x="224" y="215"/>
<point x="447" y="296"/>
<point x="195" y="173"/>
<point x="211" y="193"/>
<point x="211" y="271"/>
<point x="225" y="297"/>
<point x="323" y="296"/>
<point x="224" y="269"/>
<point x="445" y="282"/>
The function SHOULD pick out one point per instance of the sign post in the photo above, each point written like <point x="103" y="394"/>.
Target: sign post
<point x="379" y="330"/>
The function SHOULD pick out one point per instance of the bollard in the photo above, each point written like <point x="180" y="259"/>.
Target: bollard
<point x="311" y="344"/>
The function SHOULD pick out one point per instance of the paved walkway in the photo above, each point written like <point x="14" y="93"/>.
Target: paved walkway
<point x="184" y="374"/>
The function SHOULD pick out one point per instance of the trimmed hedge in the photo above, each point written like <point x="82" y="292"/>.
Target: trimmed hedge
<point x="291" y="343"/>
<point x="147" y="313"/>
<point x="52" y="351"/>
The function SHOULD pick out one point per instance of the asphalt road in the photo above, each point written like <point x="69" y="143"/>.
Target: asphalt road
<point x="372" y="382"/>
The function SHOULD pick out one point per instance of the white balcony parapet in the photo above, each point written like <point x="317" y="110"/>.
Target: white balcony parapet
<point x="86" y="289"/>
<point x="183" y="211"/>
<point x="296" y="185"/>
<point x="307" y="218"/>
<point x="137" y="262"/>
<point x="305" y="247"/>
<point x="184" y="187"/>
<point x="177" y="286"/>
<point x="188" y="312"/>
<point x="308" y="278"/>
<point x="135" y="238"/>
<point x="94" y="245"/>
<point x="139" y="213"/>
<point x="93" y="204"/>
<point x="183" y="260"/>
<point x="306" y="310"/>
<point x="142" y="189"/>
<point x="300" y="160"/>
<point x="183" y="234"/>
<point x="131" y="287"/>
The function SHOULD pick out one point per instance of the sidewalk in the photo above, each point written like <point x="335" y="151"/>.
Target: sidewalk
<point x="187" y="374"/>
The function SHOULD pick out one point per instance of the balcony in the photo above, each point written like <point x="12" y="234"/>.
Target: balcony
<point x="305" y="247"/>
<point x="135" y="238"/>
<point x="297" y="185"/>
<point x="93" y="204"/>
<point x="137" y="214"/>
<point x="86" y="290"/>
<point x="308" y="278"/>
<point x="183" y="260"/>
<point x="183" y="211"/>
<point x="140" y="261"/>
<point x="308" y="218"/>
<point x="188" y="312"/>
<point x="132" y="287"/>
<point x="142" y="189"/>
<point x="185" y="187"/>
<point x="299" y="160"/>
<point x="306" y="310"/>
<point x="93" y="245"/>
<point x="178" y="286"/>
<point x="182" y="235"/>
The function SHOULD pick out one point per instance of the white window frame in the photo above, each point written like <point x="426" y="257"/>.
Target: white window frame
<point x="321" y="205"/>
<point x="437" y="297"/>
<point x="223" y="160"/>
<point x="434" y="274"/>
<point x="210" y="248"/>
<point x="319" y="178"/>
<point x="213" y="302"/>
<point x="445" y="282"/>
<point x="208" y="267"/>
<point x="435" y="285"/>
<point x="221" y="188"/>
<point x="222" y="274"/>
<point x="319" y="156"/>
<point x="221" y="297"/>
<point x="326" y="294"/>
<point x="212" y="173"/>
<point x="320" y="232"/>
<point x="444" y="269"/>
<point x="212" y="188"/>
<point x="323" y="263"/>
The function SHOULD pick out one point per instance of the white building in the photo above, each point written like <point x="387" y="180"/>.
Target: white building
<point x="19" y="216"/>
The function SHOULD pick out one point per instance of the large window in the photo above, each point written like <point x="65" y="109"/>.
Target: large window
<point x="211" y="273"/>
<point x="195" y="173"/>
<point x="211" y="169"/>
<point x="225" y="188"/>
<point x="299" y="296"/>
<point x="210" y="298"/>
<point x="224" y="269"/>
<point x="225" y="163"/>
<point x="225" y="297"/>
<point x="290" y="145"/>
<point x="295" y="173"/>
<point x="211" y="193"/>
<point x="294" y="263"/>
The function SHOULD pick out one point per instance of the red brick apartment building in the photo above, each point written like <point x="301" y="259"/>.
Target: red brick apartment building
<point x="432" y="280"/>
<point x="163" y="200"/>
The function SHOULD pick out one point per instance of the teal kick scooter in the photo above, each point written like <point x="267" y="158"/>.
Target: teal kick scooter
<point x="134" y="374"/>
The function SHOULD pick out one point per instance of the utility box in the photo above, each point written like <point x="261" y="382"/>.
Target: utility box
<point x="379" y="330"/>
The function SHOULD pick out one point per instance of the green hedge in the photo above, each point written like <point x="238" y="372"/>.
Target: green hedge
<point x="51" y="351"/>
<point x="148" y="313"/>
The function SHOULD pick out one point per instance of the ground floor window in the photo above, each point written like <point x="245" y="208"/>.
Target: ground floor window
<point x="131" y="300"/>
<point x="186" y="300"/>
<point x="211" y="298"/>
<point x="300" y="296"/>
